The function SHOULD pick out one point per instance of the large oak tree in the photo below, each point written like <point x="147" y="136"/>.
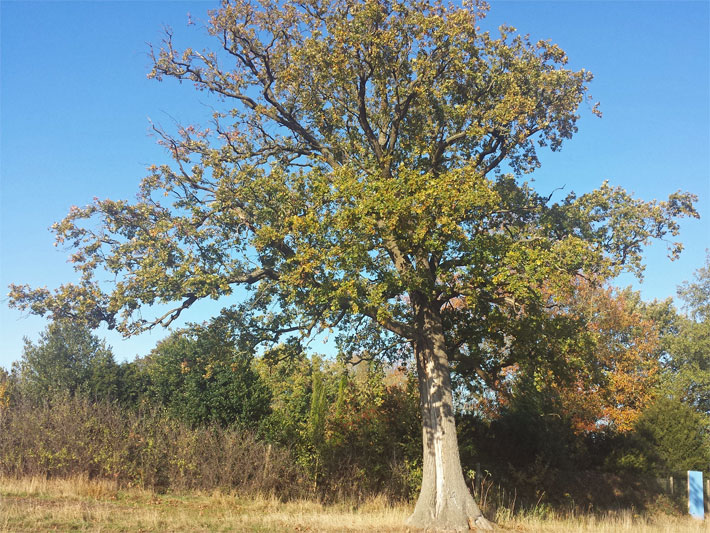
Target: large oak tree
<point x="366" y="172"/>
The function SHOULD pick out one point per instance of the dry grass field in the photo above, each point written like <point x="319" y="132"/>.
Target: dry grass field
<point x="77" y="505"/>
<point x="37" y="505"/>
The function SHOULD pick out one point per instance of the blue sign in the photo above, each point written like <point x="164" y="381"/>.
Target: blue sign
<point x="695" y="494"/>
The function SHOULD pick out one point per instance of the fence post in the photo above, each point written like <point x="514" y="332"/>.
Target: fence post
<point x="670" y="483"/>
<point x="696" y="509"/>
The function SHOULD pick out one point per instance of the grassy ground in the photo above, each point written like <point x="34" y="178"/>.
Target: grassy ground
<point x="612" y="523"/>
<point x="78" y="505"/>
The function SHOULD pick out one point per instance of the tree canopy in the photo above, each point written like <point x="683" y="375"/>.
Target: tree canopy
<point x="371" y="152"/>
<point x="685" y="341"/>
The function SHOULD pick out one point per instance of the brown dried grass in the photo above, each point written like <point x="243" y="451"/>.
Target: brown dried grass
<point x="80" y="504"/>
<point x="85" y="505"/>
<point x="620" y="522"/>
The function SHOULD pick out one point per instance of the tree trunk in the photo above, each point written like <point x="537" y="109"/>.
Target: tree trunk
<point x="445" y="503"/>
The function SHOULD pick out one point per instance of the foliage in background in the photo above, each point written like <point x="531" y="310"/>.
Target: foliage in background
<point x="676" y="435"/>
<point x="670" y="437"/>
<point x="613" y="377"/>
<point x="203" y="375"/>
<point x="686" y="341"/>
<point x="355" y="429"/>
<point x="593" y="358"/>
<point x="373" y="429"/>
<point x="68" y="358"/>
<point x="671" y="433"/>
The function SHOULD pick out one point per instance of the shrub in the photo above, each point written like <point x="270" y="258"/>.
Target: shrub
<point x="72" y="436"/>
<point x="201" y="376"/>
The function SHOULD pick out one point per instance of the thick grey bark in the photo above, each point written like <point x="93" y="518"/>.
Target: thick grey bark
<point x="445" y="503"/>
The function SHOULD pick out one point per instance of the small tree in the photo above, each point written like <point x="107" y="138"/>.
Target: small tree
<point x="68" y="358"/>
<point x="676" y="436"/>
<point x="669" y="437"/>
<point x="368" y="174"/>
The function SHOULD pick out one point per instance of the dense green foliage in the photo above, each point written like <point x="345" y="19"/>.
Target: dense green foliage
<point x="352" y="429"/>
<point x="201" y="375"/>
<point x="671" y="435"/>
<point x="674" y="437"/>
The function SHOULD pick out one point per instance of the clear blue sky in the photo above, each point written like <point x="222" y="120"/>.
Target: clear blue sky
<point x="76" y="105"/>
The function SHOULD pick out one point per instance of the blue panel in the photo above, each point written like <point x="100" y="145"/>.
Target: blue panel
<point x="695" y="494"/>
